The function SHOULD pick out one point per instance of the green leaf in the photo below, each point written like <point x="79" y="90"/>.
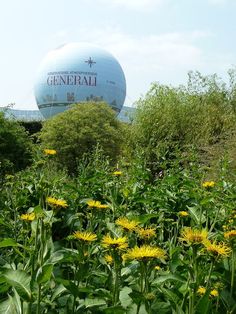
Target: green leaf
<point x="8" y="242"/>
<point x="196" y="215"/>
<point x="173" y="297"/>
<point x="38" y="210"/>
<point x="169" y="277"/>
<point x="170" y="194"/>
<point x="175" y="259"/>
<point x="69" y="285"/>
<point x="93" y="302"/>
<point x="115" y="310"/>
<point x="129" y="269"/>
<point x="124" y="297"/>
<point x="56" y="257"/>
<point x="5" y="223"/>
<point x="17" y="301"/>
<point x="69" y="255"/>
<point x="228" y="299"/>
<point x="133" y="309"/>
<point x="44" y="273"/>
<point x="145" y="218"/>
<point x="103" y="293"/>
<point x="179" y="310"/>
<point x="8" y="306"/>
<point x="20" y="280"/>
<point x="203" y="304"/>
<point x="58" y="292"/>
<point x="161" y="307"/>
<point x="207" y="201"/>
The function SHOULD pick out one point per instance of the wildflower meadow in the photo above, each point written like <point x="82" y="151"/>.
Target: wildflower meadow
<point x="119" y="244"/>
<point x="152" y="230"/>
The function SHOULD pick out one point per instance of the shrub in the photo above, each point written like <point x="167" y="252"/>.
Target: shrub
<point x="15" y="146"/>
<point x="172" y="119"/>
<point x="80" y="130"/>
<point x="32" y="127"/>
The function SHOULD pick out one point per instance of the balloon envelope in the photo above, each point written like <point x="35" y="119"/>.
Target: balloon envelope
<point x="75" y="73"/>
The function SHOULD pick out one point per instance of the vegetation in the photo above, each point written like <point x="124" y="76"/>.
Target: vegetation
<point x="154" y="233"/>
<point x="111" y="242"/>
<point x="200" y="117"/>
<point x="80" y="130"/>
<point x="15" y="146"/>
<point x="32" y="127"/>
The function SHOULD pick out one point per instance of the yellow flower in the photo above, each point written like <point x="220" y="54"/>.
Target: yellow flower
<point x="230" y="234"/>
<point x="50" y="151"/>
<point x="193" y="236"/>
<point x="61" y="203"/>
<point x="157" y="267"/>
<point x="145" y="252"/>
<point x="117" y="173"/>
<point x="183" y="213"/>
<point x="201" y="290"/>
<point x="56" y="202"/>
<point x="219" y="250"/>
<point x="208" y="184"/>
<point x="96" y="204"/>
<point x="28" y="217"/>
<point x="103" y="206"/>
<point x="92" y="203"/>
<point x="118" y="243"/>
<point x="214" y="293"/>
<point x="126" y="224"/>
<point x="146" y="233"/>
<point x="108" y="259"/>
<point x="85" y="236"/>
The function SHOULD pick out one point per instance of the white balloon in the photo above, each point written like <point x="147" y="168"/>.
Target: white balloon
<point x="78" y="72"/>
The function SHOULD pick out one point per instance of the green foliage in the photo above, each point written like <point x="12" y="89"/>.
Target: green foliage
<point x="32" y="128"/>
<point x="56" y="255"/>
<point x="45" y="269"/>
<point x="15" y="146"/>
<point x="198" y="116"/>
<point x="80" y="130"/>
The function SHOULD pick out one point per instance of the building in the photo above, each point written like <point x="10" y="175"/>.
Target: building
<point x="125" y="115"/>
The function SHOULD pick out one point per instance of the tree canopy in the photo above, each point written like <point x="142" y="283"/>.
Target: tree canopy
<point x="80" y="130"/>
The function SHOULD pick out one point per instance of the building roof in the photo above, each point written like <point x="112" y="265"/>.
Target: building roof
<point x="125" y="115"/>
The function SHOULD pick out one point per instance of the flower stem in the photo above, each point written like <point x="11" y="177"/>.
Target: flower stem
<point x="232" y="275"/>
<point x="38" y="299"/>
<point x="209" y="276"/>
<point x="215" y="220"/>
<point x="116" y="282"/>
<point x="193" y="276"/>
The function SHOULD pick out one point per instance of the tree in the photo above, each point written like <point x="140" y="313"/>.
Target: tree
<point x="80" y="130"/>
<point x="171" y="122"/>
<point x="15" y="146"/>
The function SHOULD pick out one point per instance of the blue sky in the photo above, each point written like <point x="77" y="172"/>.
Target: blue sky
<point x="154" y="40"/>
